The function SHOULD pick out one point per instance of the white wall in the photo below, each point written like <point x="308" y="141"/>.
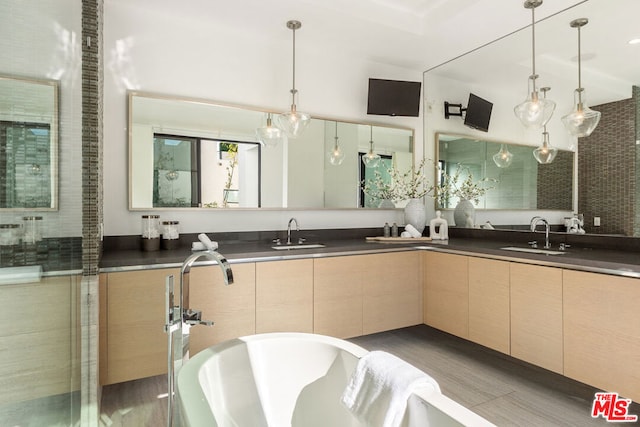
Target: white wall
<point x="211" y="60"/>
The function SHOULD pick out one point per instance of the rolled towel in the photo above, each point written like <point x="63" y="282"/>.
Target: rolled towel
<point x="405" y="234"/>
<point x="380" y="386"/>
<point x="412" y="230"/>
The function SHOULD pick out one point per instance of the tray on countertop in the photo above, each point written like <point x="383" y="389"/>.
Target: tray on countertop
<point x="398" y="239"/>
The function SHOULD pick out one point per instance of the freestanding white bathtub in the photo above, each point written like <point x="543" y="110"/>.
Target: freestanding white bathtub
<point x="290" y="379"/>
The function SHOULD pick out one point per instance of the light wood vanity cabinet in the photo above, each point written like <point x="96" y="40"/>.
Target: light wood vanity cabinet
<point x="133" y="341"/>
<point x="232" y="308"/>
<point x="337" y="295"/>
<point x="602" y="331"/>
<point x="446" y="295"/>
<point x="489" y="311"/>
<point x="364" y="294"/>
<point x="136" y="345"/>
<point x="536" y="315"/>
<point x="284" y="296"/>
<point x="392" y="292"/>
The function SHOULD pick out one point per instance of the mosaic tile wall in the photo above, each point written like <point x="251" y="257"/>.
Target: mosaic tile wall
<point x="607" y="170"/>
<point x="553" y="187"/>
<point x="92" y="78"/>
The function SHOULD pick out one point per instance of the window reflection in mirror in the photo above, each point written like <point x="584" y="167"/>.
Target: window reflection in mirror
<point x="196" y="172"/>
<point x="28" y="144"/>
<point x="293" y="174"/>
<point x="525" y="184"/>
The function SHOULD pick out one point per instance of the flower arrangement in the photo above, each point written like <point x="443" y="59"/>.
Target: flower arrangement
<point x="463" y="187"/>
<point x="412" y="184"/>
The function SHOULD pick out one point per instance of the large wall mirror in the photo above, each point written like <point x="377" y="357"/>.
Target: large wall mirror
<point x="187" y="153"/>
<point x="28" y="144"/>
<point x="523" y="184"/>
<point x="499" y="72"/>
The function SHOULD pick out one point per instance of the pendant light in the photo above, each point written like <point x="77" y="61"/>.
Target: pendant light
<point x="545" y="153"/>
<point x="269" y="135"/>
<point x="582" y="120"/>
<point x="371" y="159"/>
<point x="336" y="155"/>
<point x="503" y="158"/>
<point x="293" y="122"/>
<point x="534" y="112"/>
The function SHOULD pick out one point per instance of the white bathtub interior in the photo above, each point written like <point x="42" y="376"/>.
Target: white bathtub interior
<point x="289" y="379"/>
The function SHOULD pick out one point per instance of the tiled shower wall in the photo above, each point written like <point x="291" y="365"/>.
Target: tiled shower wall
<point x="92" y="84"/>
<point x="607" y="178"/>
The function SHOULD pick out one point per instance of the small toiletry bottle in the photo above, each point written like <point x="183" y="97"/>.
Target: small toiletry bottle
<point x="170" y="235"/>
<point x="150" y="232"/>
<point x="394" y="230"/>
<point x="387" y="230"/>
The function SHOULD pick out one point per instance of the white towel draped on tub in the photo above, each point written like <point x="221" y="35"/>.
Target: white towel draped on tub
<point x="380" y="387"/>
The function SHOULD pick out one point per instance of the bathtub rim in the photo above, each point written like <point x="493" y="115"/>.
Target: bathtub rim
<point x="191" y="397"/>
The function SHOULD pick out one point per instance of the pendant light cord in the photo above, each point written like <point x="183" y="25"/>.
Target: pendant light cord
<point x="533" y="43"/>
<point x="293" y="89"/>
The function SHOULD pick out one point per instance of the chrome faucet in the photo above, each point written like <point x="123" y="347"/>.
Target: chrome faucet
<point x="180" y="318"/>
<point x="289" y="229"/>
<point x="534" y="223"/>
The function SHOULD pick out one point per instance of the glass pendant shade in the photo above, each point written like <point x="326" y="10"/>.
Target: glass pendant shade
<point x="371" y="159"/>
<point x="582" y="120"/>
<point x="269" y="135"/>
<point x="534" y="112"/>
<point x="503" y="158"/>
<point x="336" y="155"/>
<point x="545" y="153"/>
<point x="293" y="122"/>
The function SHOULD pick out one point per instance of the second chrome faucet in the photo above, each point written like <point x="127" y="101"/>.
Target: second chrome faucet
<point x="534" y="223"/>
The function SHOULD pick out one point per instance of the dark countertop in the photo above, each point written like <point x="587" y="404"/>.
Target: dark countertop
<point x="585" y="253"/>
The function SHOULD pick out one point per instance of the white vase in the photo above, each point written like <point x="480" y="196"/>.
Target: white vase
<point x="415" y="214"/>
<point x="464" y="215"/>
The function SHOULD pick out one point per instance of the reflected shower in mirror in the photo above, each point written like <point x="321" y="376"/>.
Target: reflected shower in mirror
<point x="523" y="184"/>
<point x="28" y="144"/>
<point x="201" y="154"/>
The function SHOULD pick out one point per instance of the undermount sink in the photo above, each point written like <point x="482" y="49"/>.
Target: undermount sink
<point x="533" y="250"/>
<point x="298" y="246"/>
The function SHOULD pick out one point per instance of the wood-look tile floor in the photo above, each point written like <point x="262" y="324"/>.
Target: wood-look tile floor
<point x="506" y="391"/>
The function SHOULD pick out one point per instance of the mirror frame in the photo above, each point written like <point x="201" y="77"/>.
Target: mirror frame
<point x="164" y="97"/>
<point x="54" y="142"/>
<point x="437" y="136"/>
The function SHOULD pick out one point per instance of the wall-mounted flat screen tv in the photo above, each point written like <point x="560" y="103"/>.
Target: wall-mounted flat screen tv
<point x="394" y="98"/>
<point x="478" y="113"/>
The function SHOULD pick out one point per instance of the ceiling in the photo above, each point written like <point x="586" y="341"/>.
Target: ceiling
<point x="414" y="34"/>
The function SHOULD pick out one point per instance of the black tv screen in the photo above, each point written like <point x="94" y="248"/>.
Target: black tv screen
<point x="394" y="98"/>
<point x="478" y="113"/>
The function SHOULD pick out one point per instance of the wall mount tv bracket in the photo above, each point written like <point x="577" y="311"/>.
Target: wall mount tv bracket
<point x="448" y="113"/>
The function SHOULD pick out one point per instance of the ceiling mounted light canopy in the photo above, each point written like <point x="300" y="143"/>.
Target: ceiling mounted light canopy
<point x="371" y="159"/>
<point x="269" y="135"/>
<point x="293" y="122"/>
<point x="534" y="112"/>
<point x="336" y="155"/>
<point x="545" y="153"/>
<point x="503" y="158"/>
<point x="582" y="120"/>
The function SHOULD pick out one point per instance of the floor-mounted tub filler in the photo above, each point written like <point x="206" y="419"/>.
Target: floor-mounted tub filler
<point x="293" y="379"/>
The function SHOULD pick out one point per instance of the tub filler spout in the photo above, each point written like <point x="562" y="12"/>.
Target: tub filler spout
<point x="180" y="318"/>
